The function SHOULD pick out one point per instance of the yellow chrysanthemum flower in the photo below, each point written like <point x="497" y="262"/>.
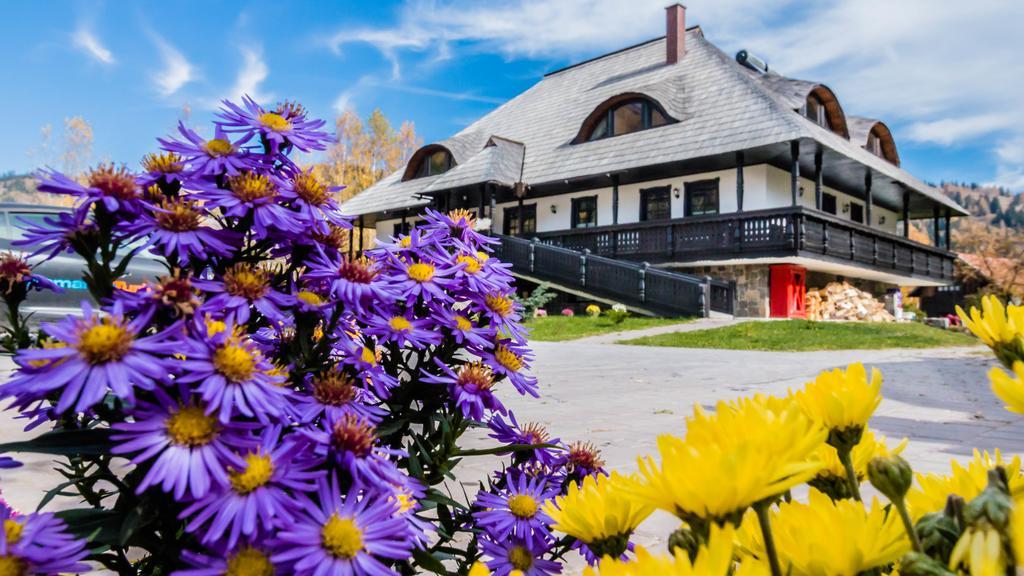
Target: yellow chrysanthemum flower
<point x="479" y="569"/>
<point x="833" y="475"/>
<point x="980" y="550"/>
<point x="828" y="538"/>
<point x="598" y="513"/>
<point x="1009" y="388"/>
<point x="744" y="453"/>
<point x="1000" y="327"/>
<point x="931" y="491"/>
<point x="714" y="559"/>
<point x="842" y="400"/>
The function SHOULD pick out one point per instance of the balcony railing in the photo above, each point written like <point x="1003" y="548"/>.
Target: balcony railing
<point x="778" y="232"/>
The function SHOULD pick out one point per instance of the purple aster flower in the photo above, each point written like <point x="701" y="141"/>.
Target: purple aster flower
<point x="479" y="273"/>
<point x="38" y="544"/>
<point x="116" y="189"/>
<point x="314" y="200"/>
<point x="258" y="494"/>
<point x="511" y="555"/>
<point x="57" y="234"/>
<point x="351" y="441"/>
<point x="192" y="450"/>
<point x="362" y="354"/>
<point x="419" y="278"/>
<point x="175" y="228"/>
<point x="515" y="512"/>
<point x="333" y="393"/>
<point x="232" y="376"/>
<point x="350" y="535"/>
<point x="581" y="459"/>
<point x="470" y="388"/>
<point x="243" y="559"/>
<point x="162" y="168"/>
<point x="353" y="282"/>
<point x="172" y="294"/>
<point x="532" y="434"/>
<point x="402" y="329"/>
<point x="511" y="359"/>
<point x="244" y="286"/>
<point x="17" y="278"/>
<point x="88" y="357"/>
<point x="283" y="127"/>
<point x="212" y="157"/>
<point x="459" y="224"/>
<point x="252" y="195"/>
<point x="6" y="462"/>
<point x="503" y="313"/>
<point x="461" y="327"/>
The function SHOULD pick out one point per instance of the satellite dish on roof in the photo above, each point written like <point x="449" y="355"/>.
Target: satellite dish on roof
<point x="753" y="62"/>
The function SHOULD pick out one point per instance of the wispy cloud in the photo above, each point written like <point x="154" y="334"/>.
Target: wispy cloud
<point x="86" y="40"/>
<point x="176" y="71"/>
<point x="251" y="75"/>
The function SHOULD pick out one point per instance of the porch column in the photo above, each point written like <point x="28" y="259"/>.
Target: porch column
<point x="351" y="241"/>
<point x="868" y="198"/>
<point x="361" y="235"/>
<point x="739" y="181"/>
<point x="935" y="223"/>
<point x="906" y="214"/>
<point x="818" y="178"/>
<point x="493" y="202"/>
<point x="522" y="219"/>
<point x="405" y="228"/>
<point x="794" y="172"/>
<point x="949" y="245"/>
<point x="615" y="198"/>
<point x="480" y="203"/>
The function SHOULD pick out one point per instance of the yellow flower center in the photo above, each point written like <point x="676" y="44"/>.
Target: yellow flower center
<point x="476" y="375"/>
<point x="421" y="272"/>
<point x="106" y="341"/>
<point x="405" y="502"/>
<point x="258" y="471"/>
<point x="400" y="324"/>
<point x="482" y="256"/>
<point x="341" y="537"/>
<point x="13" y="566"/>
<point x="520" y="558"/>
<point x="500" y="305"/>
<point x="12" y="530"/>
<point x="472" y="264"/>
<point x="275" y="122"/>
<point x="369" y="356"/>
<point x="463" y="323"/>
<point x="234" y="361"/>
<point x="245" y="281"/>
<point x="311" y="298"/>
<point x="508" y="358"/>
<point x="523" y="506"/>
<point x="214" y="327"/>
<point x="249" y="187"/>
<point x="218" y="147"/>
<point x="249" y="562"/>
<point x="405" y="242"/>
<point x="190" y="426"/>
<point x="166" y="163"/>
<point x="180" y="216"/>
<point x="309" y="188"/>
<point x="333" y="387"/>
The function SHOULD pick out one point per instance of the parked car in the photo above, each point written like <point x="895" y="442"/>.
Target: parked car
<point x="65" y="270"/>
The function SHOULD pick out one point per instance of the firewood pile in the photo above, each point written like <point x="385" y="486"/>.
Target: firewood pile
<point x="842" y="301"/>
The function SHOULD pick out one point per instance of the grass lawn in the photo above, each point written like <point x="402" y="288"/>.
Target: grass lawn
<point x="558" y="328"/>
<point x="801" y="335"/>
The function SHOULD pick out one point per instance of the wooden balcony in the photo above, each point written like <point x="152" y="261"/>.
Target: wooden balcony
<point x="775" y="233"/>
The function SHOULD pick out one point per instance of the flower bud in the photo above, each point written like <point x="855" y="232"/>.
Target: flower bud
<point x="938" y="533"/>
<point x="993" y="505"/>
<point x="614" y="546"/>
<point x="684" y="537"/>
<point x="917" y="564"/>
<point x="891" y="475"/>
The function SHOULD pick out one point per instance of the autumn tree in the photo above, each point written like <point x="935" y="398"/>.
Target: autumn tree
<point x="996" y="255"/>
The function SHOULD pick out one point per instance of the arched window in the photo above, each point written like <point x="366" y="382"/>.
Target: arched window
<point x="816" y="112"/>
<point x="437" y="162"/>
<point x="881" y="144"/>
<point x="822" y="107"/>
<point x="622" y="115"/>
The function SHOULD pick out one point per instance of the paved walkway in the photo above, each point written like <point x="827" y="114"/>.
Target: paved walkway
<point x="698" y="324"/>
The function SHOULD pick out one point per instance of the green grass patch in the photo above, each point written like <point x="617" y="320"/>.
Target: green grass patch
<point x="801" y="335"/>
<point x="559" y="328"/>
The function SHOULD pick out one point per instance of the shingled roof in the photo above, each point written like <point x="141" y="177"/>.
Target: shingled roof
<point x="718" y="105"/>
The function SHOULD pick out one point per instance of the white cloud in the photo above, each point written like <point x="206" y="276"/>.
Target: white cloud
<point x="250" y="76"/>
<point x="85" y="40"/>
<point x="343" y="103"/>
<point x="947" y="131"/>
<point x="176" y="71"/>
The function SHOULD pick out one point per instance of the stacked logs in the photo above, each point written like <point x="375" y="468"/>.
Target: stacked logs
<point x="843" y="301"/>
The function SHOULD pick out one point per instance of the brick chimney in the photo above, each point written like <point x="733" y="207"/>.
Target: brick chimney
<point x="675" y="33"/>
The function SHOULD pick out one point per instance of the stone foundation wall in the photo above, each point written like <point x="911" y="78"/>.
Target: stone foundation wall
<point x="751" y="286"/>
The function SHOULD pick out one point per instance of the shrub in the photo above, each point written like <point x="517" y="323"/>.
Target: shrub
<point x="536" y="300"/>
<point x="617" y="313"/>
<point x="593" y="310"/>
<point x="568" y="312"/>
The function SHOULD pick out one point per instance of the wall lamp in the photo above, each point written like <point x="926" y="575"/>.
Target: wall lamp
<point x="554" y="208"/>
<point x="675" y="192"/>
<point x="846" y="207"/>
<point x="881" y="219"/>
<point x="801" y="193"/>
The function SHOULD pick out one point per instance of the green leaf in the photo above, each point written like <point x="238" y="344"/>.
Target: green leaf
<point x="427" y="561"/>
<point x="92" y="441"/>
<point x="130" y="524"/>
<point x="505" y="449"/>
<point x="99" y="525"/>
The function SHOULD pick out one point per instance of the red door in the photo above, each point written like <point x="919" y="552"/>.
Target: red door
<point x="788" y="287"/>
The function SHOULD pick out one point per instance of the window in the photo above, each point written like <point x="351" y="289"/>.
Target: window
<point x="828" y="203"/>
<point x="856" y="212"/>
<point x="401" y="228"/>
<point x="701" y="198"/>
<point x="584" y="212"/>
<point x="434" y="163"/>
<point x="655" y="203"/>
<point x="815" y="111"/>
<point x="875" y="145"/>
<point x="510" y="225"/>
<point x="630" y="116"/>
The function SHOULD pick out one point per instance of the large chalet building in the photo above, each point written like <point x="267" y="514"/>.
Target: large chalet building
<point x="675" y="154"/>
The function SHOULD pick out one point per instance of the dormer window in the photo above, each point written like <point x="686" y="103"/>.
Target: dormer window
<point x="622" y="115"/>
<point x="437" y="162"/>
<point x="875" y="145"/>
<point x="816" y="112"/>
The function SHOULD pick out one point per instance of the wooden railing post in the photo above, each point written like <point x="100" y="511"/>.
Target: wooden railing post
<point x="583" y="267"/>
<point x="705" y="295"/>
<point x="853" y="245"/>
<point x="533" y="247"/>
<point x="642" y="281"/>
<point x="824" y="237"/>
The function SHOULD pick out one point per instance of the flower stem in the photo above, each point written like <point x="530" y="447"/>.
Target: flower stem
<point x="851" y="474"/>
<point x="901" y="506"/>
<point x="766" y="532"/>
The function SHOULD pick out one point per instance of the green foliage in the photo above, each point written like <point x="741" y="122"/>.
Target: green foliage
<point x="561" y="328"/>
<point x="617" y="313"/>
<point x="535" y="300"/>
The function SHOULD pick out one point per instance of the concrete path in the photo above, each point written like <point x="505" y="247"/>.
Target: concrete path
<point x="698" y="324"/>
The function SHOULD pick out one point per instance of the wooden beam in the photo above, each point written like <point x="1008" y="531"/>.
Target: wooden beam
<point x="818" y="178"/>
<point x="794" y="171"/>
<point x="521" y="217"/>
<point x="906" y="214"/>
<point x="935" y="223"/>
<point x="867" y="199"/>
<point x="361" y="234"/>
<point x="615" y="198"/>
<point x="739" y="182"/>
<point x="493" y="202"/>
<point x="949" y="244"/>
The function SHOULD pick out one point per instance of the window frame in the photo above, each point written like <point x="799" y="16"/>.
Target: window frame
<point x="821" y="117"/>
<point x="826" y="196"/>
<point x="575" y="209"/>
<point x="648" y="110"/>
<point x="646" y="195"/>
<point x="856" y="208"/>
<point x="511" y="217"/>
<point x="424" y="170"/>
<point x="690" y="188"/>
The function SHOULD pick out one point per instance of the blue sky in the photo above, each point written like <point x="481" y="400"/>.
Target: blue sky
<point x="946" y="76"/>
